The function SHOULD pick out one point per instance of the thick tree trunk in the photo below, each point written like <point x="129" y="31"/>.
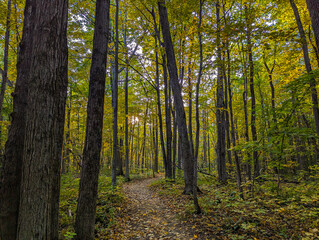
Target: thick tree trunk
<point x="85" y="214"/>
<point x="177" y="93"/>
<point x="40" y="183"/>
<point x="220" y="116"/>
<point x="11" y="168"/>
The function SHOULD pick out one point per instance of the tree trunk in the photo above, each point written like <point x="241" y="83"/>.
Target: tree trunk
<point x="5" y="67"/>
<point x="168" y="165"/>
<point x="232" y="131"/>
<point x="220" y="117"/>
<point x="158" y="95"/>
<point x="312" y="82"/>
<point x="313" y="7"/>
<point x="115" y="97"/>
<point x="85" y="214"/>
<point x="11" y="168"/>
<point x="252" y="92"/>
<point x="196" y="204"/>
<point x="40" y="183"/>
<point x="144" y="138"/>
<point x="127" y="150"/>
<point x="177" y="93"/>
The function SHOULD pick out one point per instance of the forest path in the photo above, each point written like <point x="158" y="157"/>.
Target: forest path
<point x="147" y="216"/>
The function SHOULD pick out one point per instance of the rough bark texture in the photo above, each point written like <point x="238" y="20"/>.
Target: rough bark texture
<point x="312" y="82"/>
<point x="177" y="93"/>
<point x="85" y="214"/>
<point x="40" y="182"/>
<point x="12" y="163"/>
<point x="220" y="116"/>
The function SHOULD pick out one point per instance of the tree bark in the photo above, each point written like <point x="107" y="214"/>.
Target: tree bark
<point x="252" y="92"/>
<point x="158" y="94"/>
<point x="11" y="168"/>
<point x="168" y="165"/>
<point x="127" y="150"/>
<point x="115" y="97"/>
<point x="220" y="116"/>
<point x="40" y="182"/>
<point x="312" y="82"/>
<point x="177" y="93"/>
<point x="85" y="214"/>
<point x="5" y="67"/>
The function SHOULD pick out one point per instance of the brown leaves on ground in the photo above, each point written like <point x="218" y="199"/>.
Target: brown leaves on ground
<point x="146" y="216"/>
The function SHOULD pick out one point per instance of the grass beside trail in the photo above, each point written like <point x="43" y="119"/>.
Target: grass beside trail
<point x="291" y="212"/>
<point x="109" y="202"/>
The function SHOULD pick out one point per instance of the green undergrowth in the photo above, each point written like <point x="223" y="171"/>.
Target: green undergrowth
<point x="290" y="212"/>
<point x="108" y="203"/>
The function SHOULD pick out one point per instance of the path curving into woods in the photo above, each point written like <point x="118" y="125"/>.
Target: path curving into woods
<point x="147" y="216"/>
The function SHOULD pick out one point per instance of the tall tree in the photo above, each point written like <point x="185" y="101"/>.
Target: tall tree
<point x="85" y="213"/>
<point x="252" y="88"/>
<point x="220" y="115"/>
<point x="11" y="168"/>
<point x="5" y="66"/>
<point x="40" y="182"/>
<point x="127" y="150"/>
<point x="312" y="82"/>
<point x="177" y="93"/>
<point x="115" y="158"/>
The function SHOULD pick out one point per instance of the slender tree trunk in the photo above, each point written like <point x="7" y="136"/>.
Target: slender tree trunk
<point x="188" y="158"/>
<point x="190" y="107"/>
<point x="144" y="138"/>
<point x="5" y="67"/>
<point x="252" y="92"/>
<point x="127" y="165"/>
<point x="155" y="145"/>
<point x="232" y="131"/>
<point x="312" y="82"/>
<point x="174" y="143"/>
<point x="220" y="116"/>
<point x="85" y="213"/>
<point x="11" y="169"/>
<point x="158" y="95"/>
<point x="115" y="97"/>
<point x="168" y="166"/>
<point x="40" y="182"/>
<point x="196" y="204"/>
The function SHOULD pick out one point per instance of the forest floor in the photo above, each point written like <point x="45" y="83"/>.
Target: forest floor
<point x="146" y="215"/>
<point x="155" y="208"/>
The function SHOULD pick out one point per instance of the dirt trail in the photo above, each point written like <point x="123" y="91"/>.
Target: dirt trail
<point x="146" y="216"/>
